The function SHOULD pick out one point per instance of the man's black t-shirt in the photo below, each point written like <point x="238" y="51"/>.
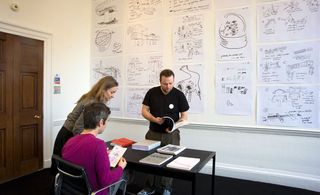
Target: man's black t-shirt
<point x="165" y="105"/>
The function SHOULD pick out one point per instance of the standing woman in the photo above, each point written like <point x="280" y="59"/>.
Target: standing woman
<point x="102" y="91"/>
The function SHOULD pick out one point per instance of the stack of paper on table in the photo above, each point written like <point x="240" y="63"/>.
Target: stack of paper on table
<point x="124" y="142"/>
<point x="171" y="149"/>
<point x="184" y="163"/>
<point x="146" y="145"/>
<point x="156" y="159"/>
<point x="115" y="154"/>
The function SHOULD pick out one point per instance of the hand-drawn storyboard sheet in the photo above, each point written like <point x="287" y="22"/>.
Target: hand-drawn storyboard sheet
<point x="187" y="6"/>
<point x="107" y="41"/>
<point x="102" y="67"/>
<point x="144" y="37"/>
<point x="107" y="12"/>
<point x="234" y="88"/>
<point x="289" y="63"/>
<point x="218" y="4"/>
<point x="115" y="104"/>
<point x="288" y="106"/>
<point x="189" y="80"/>
<point x="288" y="20"/>
<point x="144" y="9"/>
<point x="233" y="34"/>
<point x="134" y="98"/>
<point x="188" y="38"/>
<point x="144" y="70"/>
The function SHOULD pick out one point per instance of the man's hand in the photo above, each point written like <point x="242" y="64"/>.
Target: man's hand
<point x="159" y="120"/>
<point x="168" y="130"/>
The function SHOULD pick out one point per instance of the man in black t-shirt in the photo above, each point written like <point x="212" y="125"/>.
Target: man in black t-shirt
<point x="164" y="100"/>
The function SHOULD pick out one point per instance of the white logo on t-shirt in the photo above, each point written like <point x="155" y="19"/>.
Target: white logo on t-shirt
<point x="171" y="106"/>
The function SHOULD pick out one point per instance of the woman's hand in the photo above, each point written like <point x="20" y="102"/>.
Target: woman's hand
<point x="122" y="163"/>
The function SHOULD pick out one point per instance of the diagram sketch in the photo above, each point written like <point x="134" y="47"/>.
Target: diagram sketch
<point x="102" y="67"/>
<point x="107" y="12"/>
<point x="144" y="9"/>
<point x="188" y="38"/>
<point x="234" y="88"/>
<point x="134" y="98"/>
<point x="187" y="6"/>
<point x="115" y="104"/>
<point x="144" y="70"/>
<point x="144" y="37"/>
<point x="288" y="106"/>
<point x="233" y="29"/>
<point x="232" y="32"/>
<point x="107" y="41"/>
<point x="289" y="63"/>
<point x="289" y="20"/>
<point x="188" y="79"/>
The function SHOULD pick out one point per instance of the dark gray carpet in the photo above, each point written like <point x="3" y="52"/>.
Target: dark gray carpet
<point x="40" y="182"/>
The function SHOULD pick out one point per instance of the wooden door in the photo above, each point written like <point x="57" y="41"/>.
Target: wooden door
<point x="21" y="105"/>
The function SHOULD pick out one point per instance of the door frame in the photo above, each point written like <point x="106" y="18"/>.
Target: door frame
<point x="47" y="81"/>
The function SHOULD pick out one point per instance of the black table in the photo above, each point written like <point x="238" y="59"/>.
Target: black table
<point x="133" y="156"/>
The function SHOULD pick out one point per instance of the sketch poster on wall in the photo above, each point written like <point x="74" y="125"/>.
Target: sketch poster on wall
<point x="288" y="106"/>
<point x="107" y="41"/>
<point x="102" y="67"/>
<point x="107" y="12"/>
<point x="188" y="38"/>
<point x="218" y="4"/>
<point x="144" y="37"/>
<point x="189" y="80"/>
<point x="143" y="70"/>
<point x="115" y="104"/>
<point x="187" y="6"/>
<point x="233" y="34"/>
<point x="289" y="63"/>
<point x="134" y="98"/>
<point x="144" y="9"/>
<point x="234" y="88"/>
<point x="288" y="20"/>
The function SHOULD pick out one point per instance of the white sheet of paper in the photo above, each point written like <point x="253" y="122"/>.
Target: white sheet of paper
<point x="188" y="37"/>
<point x="146" y="36"/>
<point x="288" y="20"/>
<point x="289" y="63"/>
<point x="189" y="80"/>
<point x="288" y="106"/>
<point x="134" y="98"/>
<point x="233" y="34"/>
<point x="234" y="88"/>
<point x="187" y="6"/>
<point x="143" y="70"/>
<point x="144" y="9"/>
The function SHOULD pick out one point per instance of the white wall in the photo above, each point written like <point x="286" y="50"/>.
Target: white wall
<point x="270" y="155"/>
<point x="276" y="156"/>
<point x="64" y="25"/>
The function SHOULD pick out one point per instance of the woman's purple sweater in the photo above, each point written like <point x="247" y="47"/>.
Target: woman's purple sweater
<point x="91" y="153"/>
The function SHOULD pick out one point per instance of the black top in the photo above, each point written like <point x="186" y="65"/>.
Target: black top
<point x="165" y="105"/>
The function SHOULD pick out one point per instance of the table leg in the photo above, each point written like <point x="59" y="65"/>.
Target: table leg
<point x="213" y="174"/>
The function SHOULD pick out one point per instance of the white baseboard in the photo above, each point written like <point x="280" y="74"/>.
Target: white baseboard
<point x="47" y="163"/>
<point x="291" y="179"/>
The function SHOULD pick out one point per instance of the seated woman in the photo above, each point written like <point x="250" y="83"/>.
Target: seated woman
<point x="90" y="152"/>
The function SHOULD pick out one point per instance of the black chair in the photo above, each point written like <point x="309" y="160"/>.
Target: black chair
<point x="72" y="179"/>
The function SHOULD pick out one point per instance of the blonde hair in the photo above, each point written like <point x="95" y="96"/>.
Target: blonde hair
<point x="97" y="91"/>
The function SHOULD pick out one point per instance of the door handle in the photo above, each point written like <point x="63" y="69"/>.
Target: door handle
<point x="36" y="116"/>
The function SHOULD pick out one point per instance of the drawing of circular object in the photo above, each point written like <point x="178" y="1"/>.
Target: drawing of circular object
<point x="103" y="38"/>
<point x="232" y="32"/>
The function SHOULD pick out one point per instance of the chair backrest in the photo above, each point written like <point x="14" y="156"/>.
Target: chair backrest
<point x="71" y="178"/>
